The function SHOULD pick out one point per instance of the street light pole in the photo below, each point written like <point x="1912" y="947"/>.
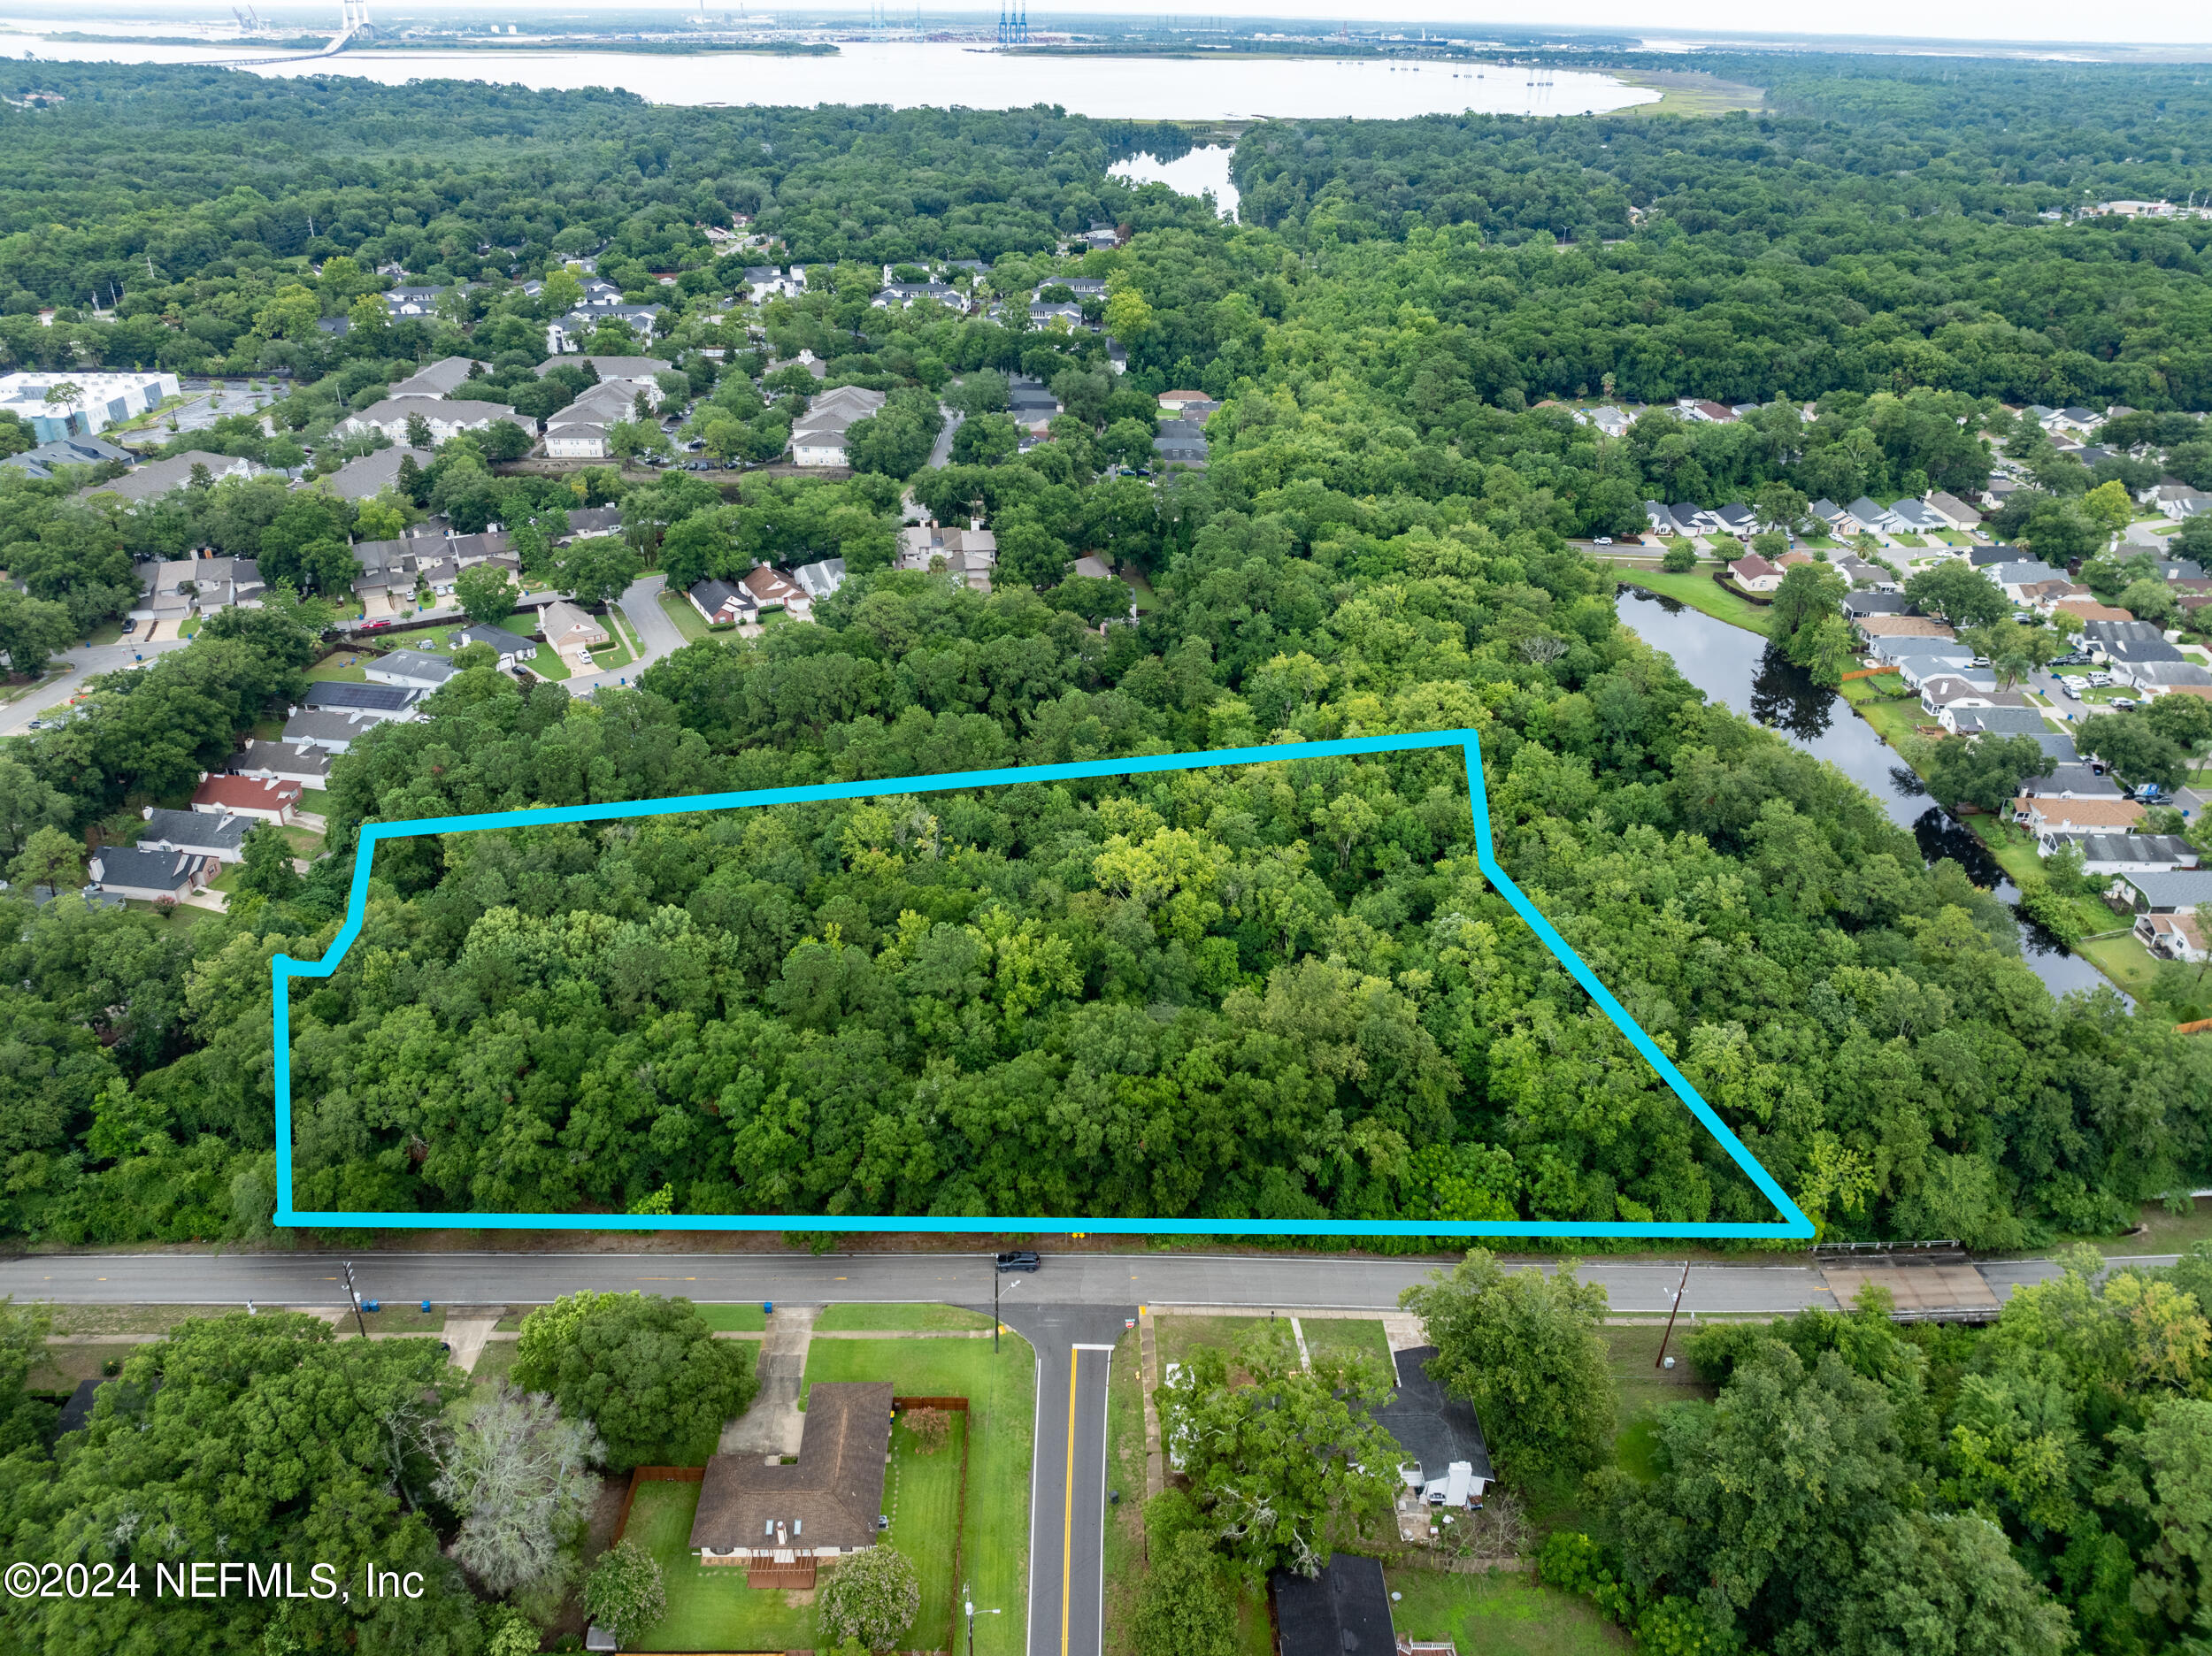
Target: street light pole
<point x="968" y="1604"/>
<point x="995" y="1276"/>
<point x="356" y="1294"/>
<point x="1659" y="1361"/>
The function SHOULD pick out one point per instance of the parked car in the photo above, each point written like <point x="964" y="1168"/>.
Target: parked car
<point x="129" y="627"/>
<point x="2066" y="688"/>
<point x="2123" y="703"/>
<point x="1018" y="1260"/>
<point x="1602" y="540"/>
<point x="374" y="626"/>
<point x="2099" y="680"/>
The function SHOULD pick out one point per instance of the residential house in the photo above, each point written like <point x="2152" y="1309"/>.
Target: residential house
<point x="2176" y="892"/>
<point x="1174" y="402"/>
<point x="440" y="378"/>
<point x="783" y="1522"/>
<point x="2000" y="721"/>
<point x="332" y="732"/>
<point x="1824" y="510"/>
<point x="2042" y="596"/>
<point x="1612" y="421"/>
<point x="771" y="589"/>
<point x="2054" y="820"/>
<point x="443" y="416"/>
<point x="2077" y="780"/>
<point x="572" y="333"/>
<point x="1700" y="410"/>
<point x="1736" y="519"/>
<point x="1694" y="519"/>
<point x="179" y="587"/>
<point x="1867" y="577"/>
<point x="1904" y="626"/>
<point x="1447" y="1462"/>
<point x="587" y="522"/>
<point x="2178" y="569"/>
<point x="396" y="703"/>
<point x="41" y="463"/>
<point x="1660" y="519"/>
<point x="283" y="762"/>
<point x="2156" y="678"/>
<point x="149" y="875"/>
<point x="372" y="474"/>
<point x="721" y="604"/>
<point x="1857" y="604"/>
<point x="1919" y="518"/>
<point x="1953" y="512"/>
<point x="765" y="281"/>
<point x="1755" y="574"/>
<point x="2078" y="421"/>
<point x="2084" y="610"/>
<point x="416" y="669"/>
<point x="199" y="834"/>
<point x="968" y="555"/>
<point x="2181" y="502"/>
<point x="1180" y="442"/>
<point x="818" y="436"/>
<point x="1944" y="694"/>
<point x="2136" y="853"/>
<point x="157" y="478"/>
<point x="1344" y="1608"/>
<point x="405" y="302"/>
<point x="572" y="632"/>
<point x="1998" y="490"/>
<point x="263" y="799"/>
<point x="2030" y="572"/>
<point x="2177" y="937"/>
<point x="819" y="581"/>
<point x="511" y="648"/>
<point x="906" y="294"/>
<point x="1871" y="516"/>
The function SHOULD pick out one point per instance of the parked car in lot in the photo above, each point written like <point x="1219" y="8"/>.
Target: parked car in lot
<point x="2067" y="687"/>
<point x="1018" y="1259"/>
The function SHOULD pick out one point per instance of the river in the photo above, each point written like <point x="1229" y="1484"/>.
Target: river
<point x="1740" y="669"/>
<point x="1205" y="168"/>
<point x="910" y="73"/>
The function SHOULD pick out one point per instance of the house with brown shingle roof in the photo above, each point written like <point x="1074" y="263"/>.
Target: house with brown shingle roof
<point x="782" y="1522"/>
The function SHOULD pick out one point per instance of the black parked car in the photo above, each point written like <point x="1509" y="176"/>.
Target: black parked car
<point x="1020" y="1259"/>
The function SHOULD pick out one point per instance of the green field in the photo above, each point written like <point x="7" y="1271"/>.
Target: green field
<point x="880" y="1319"/>
<point x="1700" y="591"/>
<point x="1500" y="1614"/>
<point x="1000" y="1390"/>
<point x="734" y="1319"/>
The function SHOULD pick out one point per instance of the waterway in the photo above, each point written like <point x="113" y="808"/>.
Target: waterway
<point x="1743" y="669"/>
<point x="911" y="73"/>
<point x="1205" y="168"/>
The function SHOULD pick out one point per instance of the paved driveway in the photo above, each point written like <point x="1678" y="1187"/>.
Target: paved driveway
<point x="656" y="634"/>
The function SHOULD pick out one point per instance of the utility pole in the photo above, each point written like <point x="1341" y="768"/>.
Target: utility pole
<point x="995" y="1275"/>
<point x="1660" y="1361"/>
<point x="358" y="1319"/>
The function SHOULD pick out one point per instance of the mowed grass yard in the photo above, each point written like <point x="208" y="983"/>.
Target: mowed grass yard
<point x="710" y="1608"/>
<point x="1500" y="1614"/>
<point x="1002" y="1392"/>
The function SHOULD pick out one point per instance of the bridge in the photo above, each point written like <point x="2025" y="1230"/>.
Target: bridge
<point x="353" y="20"/>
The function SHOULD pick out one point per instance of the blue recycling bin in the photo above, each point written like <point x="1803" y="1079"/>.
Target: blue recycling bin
<point x="768" y="1307"/>
<point x="371" y="1305"/>
<point x="426" y="1306"/>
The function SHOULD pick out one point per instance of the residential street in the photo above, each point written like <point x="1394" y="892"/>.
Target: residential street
<point x="1290" y="1282"/>
<point x="16" y="716"/>
<point x="655" y="632"/>
<point x="941" y="454"/>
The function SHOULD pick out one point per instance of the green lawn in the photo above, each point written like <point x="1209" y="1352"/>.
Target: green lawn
<point x="734" y="1319"/>
<point x="1500" y="1614"/>
<point x="1000" y="1390"/>
<point x="2122" y="959"/>
<point x="888" y="1318"/>
<point x="710" y="1608"/>
<point x="1700" y="591"/>
<point x="1347" y="1336"/>
<point x="1176" y="1335"/>
<point x="678" y="608"/>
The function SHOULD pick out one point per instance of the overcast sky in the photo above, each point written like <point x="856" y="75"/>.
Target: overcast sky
<point x="2000" y="23"/>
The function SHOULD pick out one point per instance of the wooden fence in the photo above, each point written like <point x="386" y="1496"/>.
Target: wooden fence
<point x="654" y="1474"/>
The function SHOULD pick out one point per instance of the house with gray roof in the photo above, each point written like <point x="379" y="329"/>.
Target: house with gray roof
<point x="1998" y="721"/>
<point x="157" y="478"/>
<point x="333" y="732"/>
<point x="372" y="474"/>
<point x="440" y="378"/>
<point x="149" y="875"/>
<point x="283" y="762"/>
<point x="202" y="833"/>
<point x="416" y="669"/>
<point x="2176" y="892"/>
<point x="2136" y="853"/>
<point x="373" y="701"/>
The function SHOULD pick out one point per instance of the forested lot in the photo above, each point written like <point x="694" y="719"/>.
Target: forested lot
<point x="1252" y="994"/>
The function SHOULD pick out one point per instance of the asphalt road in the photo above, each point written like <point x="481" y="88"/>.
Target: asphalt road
<point x="83" y="663"/>
<point x="1259" y="1281"/>
<point x="1067" y="1486"/>
<point x="659" y="636"/>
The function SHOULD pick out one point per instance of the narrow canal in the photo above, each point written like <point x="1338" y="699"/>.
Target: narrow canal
<point x="1744" y="670"/>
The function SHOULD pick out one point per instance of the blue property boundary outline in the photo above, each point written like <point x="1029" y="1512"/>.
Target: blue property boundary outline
<point x="284" y="969"/>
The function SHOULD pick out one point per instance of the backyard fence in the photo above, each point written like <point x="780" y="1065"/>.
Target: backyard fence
<point x="654" y="1474"/>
